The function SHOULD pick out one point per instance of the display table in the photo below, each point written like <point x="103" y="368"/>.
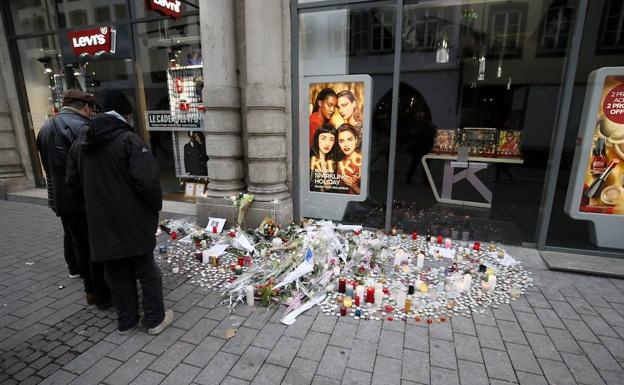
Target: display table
<point x="470" y="167"/>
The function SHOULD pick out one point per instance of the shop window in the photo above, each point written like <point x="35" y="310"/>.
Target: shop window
<point x="611" y="38"/>
<point x="421" y="29"/>
<point x="555" y="31"/>
<point x="77" y="13"/>
<point x="31" y="16"/>
<point x="77" y="18"/>
<point x="506" y="31"/>
<point x="120" y="11"/>
<point x="382" y="31"/>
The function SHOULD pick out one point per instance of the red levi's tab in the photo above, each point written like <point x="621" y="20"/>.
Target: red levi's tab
<point x="93" y="41"/>
<point x="171" y="8"/>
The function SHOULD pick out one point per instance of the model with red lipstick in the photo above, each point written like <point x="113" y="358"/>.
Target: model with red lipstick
<point x="323" y="110"/>
<point x="323" y="158"/>
<point x="350" y="163"/>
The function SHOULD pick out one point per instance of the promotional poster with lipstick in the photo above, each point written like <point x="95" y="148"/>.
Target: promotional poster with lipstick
<point x="336" y="127"/>
<point x="603" y="190"/>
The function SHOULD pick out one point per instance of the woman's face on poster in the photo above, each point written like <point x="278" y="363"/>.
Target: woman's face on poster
<point x="345" y="107"/>
<point x="347" y="142"/>
<point x="327" y="107"/>
<point x="326" y="142"/>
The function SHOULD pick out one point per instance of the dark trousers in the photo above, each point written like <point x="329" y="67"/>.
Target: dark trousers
<point x="69" y="247"/>
<point x="121" y="276"/>
<point x="92" y="273"/>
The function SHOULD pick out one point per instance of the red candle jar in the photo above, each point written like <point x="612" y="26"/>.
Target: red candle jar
<point x="214" y="229"/>
<point x="357" y="300"/>
<point x="414" y="235"/>
<point x="343" y="310"/>
<point x="174" y="235"/>
<point x="370" y="294"/>
<point x="241" y="261"/>
<point x="477" y="246"/>
<point x="342" y="285"/>
<point x="440" y="240"/>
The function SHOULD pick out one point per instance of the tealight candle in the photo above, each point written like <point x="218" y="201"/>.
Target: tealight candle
<point x="515" y="291"/>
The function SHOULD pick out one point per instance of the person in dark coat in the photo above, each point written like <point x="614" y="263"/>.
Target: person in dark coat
<point x="53" y="142"/>
<point x="195" y="157"/>
<point x="115" y="173"/>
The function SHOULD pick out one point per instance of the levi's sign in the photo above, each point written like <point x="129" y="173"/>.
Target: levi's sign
<point x="94" y="41"/>
<point x="166" y="7"/>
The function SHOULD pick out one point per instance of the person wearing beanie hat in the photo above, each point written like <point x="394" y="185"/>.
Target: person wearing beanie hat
<point x="53" y="143"/>
<point x="111" y="168"/>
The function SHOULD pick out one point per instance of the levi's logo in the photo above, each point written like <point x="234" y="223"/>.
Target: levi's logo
<point x="166" y="7"/>
<point x="94" y="41"/>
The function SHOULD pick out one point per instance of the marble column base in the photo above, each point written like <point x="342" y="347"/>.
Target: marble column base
<point x="222" y="208"/>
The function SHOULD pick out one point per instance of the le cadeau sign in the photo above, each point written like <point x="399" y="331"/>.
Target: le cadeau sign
<point x="166" y="7"/>
<point x="93" y="41"/>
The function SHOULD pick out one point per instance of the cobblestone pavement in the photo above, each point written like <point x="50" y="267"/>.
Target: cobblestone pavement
<point x="566" y="330"/>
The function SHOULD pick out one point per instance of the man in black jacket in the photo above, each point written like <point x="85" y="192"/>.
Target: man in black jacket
<point x="117" y="176"/>
<point x="53" y="142"/>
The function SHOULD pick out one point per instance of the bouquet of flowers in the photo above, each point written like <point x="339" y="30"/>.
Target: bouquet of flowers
<point x="242" y="202"/>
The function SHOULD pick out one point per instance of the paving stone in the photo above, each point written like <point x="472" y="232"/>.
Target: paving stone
<point x="537" y="300"/>
<point x="552" y="295"/>
<point x="582" y="369"/>
<point x="369" y="331"/>
<point x="556" y="372"/>
<point x="415" y="366"/>
<point x="523" y="359"/>
<point x="233" y="381"/>
<point x="468" y="348"/>
<point x="581" y="306"/>
<point x="387" y="371"/>
<point x="162" y="342"/>
<point x="503" y="312"/>
<point x="616" y="347"/>
<point x="612" y="317"/>
<point x="190" y="318"/>
<point x="48" y="370"/>
<point x="489" y="337"/>
<point x="580" y="331"/>
<point x="511" y="332"/>
<point x="130" y="346"/>
<point x="612" y="378"/>
<point x="333" y="362"/>
<point x="129" y="370"/>
<point x="269" y="335"/>
<point x="171" y="357"/>
<point x="217" y="369"/>
<point x="463" y="325"/>
<point x="443" y="354"/>
<point x="241" y="341"/>
<point x="320" y="380"/>
<point x="300" y="328"/>
<point x="199" y="331"/>
<point x="441" y="330"/>
<point x="250" y="363"/>
<point x="269" y="375"/>
<point x="530" y="323"/>
<point x="563" y="341"/>
<point x="598" y="326"/>
<point x="416" y="338"/>
<point x="600" y="356"/>
<point x="205" y="350"/>
<point x="363" y="357"/>
<point x="442" y="376"/>
<point x="313" y="346"/>
<point x="229" y="322"/>
<point x="182" y="374"/>
<point x="530" y="379"/>
<point x="98" y="372"/>
<point x="210" y="300"/>
<point x="258" y="318"/>
<point x="65" y="358"/>
<point x="521" y="305"/>
<point x="485" y="318"/>
<point x="543" y="347"/>
<point x="60" y="377"/>
<point x="564" y="310"/>
<point x="301" y="372"/>
<point x="498" y="365"/>
<point x="356" y="377"/>
<point x="391" y="344"/>
<point x="87" y="359"/>
<point x="472" y="373"/>
<point x="549" y="318"/>
<point x="343" y="335"/>
<point x="220" y="313"/>
<point x="324" y="323"/>
<point x="23" y="374"/>
<point x="286" y="350"/>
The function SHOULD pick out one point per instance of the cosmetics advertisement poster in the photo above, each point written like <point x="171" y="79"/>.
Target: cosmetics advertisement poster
<point x="603" y="190"/>
<point x="336" y="124"/>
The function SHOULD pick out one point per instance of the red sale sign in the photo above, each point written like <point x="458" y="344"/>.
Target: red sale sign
<point x="94" y="41"/>
<point x="166" y="7"/>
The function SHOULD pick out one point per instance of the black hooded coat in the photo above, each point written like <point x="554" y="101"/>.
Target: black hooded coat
<point x="111" y="169"/>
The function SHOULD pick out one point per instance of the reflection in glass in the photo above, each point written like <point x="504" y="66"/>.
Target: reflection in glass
<point x="78" y="13"/>
<point x="32" y="16"/>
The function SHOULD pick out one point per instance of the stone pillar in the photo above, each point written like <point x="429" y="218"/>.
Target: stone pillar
<point x="222" y="120"/>
<point x="265" y="106"/>
<point x="221" y="97"/>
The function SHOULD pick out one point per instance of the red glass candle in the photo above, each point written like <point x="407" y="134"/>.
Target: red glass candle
<point x="174" y="235"/>
<point x="477" y="246"/>
<point x="214" y="229"/>
<point x="357" y="300"/>
<point x="414" y="235"/>
<point x="342" y="284"/>
<point x="343" y="310"/>
<point x="241" y="261"/>
<point x="440" y="240"/>
<point x="370" y="294"/>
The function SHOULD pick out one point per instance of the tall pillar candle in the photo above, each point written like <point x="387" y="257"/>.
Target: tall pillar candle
<point x="249" y="292"/>
<point x="378" y="295"/>
<point x="420" y="261"/>
<point x="349" y="290"/>
<point x="359" y="292"/>
<point x="401" y="298"/>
